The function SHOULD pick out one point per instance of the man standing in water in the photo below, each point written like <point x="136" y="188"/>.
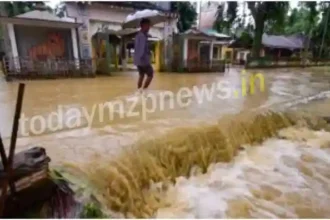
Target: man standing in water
<point x="142" y="56"/>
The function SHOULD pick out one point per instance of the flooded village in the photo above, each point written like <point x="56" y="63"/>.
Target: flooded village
<point x="235" y="122"/>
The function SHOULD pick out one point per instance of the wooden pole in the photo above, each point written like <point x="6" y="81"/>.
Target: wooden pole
<point x="3" y="154"/>
<point x="17" y="115"/>
<point x="3" y="184"/>
<point x="8" y="168"/>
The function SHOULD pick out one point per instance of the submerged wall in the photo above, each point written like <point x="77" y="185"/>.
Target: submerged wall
<point x="265" y="62"/>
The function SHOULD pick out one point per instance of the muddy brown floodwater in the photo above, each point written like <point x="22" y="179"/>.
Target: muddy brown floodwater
<point x="281" y="178"/>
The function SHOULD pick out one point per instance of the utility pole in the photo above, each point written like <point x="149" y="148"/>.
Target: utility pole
<point x="325" y="30"/>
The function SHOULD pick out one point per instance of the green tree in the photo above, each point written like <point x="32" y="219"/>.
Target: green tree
<point x="263" y="13"/>
<point x="322" y="32"/>
<point x="302" y="20"/>
<point x="225" y="17"/>
<point x="311" y="23"/>
<point x="16" y="8"/>
<point x="273" y="18"/>
<point x="187" y="15"/>
<point x="305" y="19"/>
<point x="10" y="9"/>
<point x="297" y="21"/>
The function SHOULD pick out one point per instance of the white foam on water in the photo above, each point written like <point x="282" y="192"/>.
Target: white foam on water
<point x="304" y="100"/>
<point x="295" y="101"/>
<point x="282" y="178"/>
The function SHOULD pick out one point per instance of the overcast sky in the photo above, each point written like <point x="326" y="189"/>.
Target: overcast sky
<point x="53" y="3"/>
<point x="293" y="4"/>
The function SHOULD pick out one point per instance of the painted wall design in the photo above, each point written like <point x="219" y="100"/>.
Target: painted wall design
<point x="84" y="38"/>
<point x="52" y="48"/>
<point x="43" y="42"/>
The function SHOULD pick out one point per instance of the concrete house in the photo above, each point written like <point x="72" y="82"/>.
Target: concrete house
<point x="36" y="39"/>
<point x="274" y="46"/>
<point x="100" y="17"/>
<point x="43" y="43"/>
<point x="207" y="18"/>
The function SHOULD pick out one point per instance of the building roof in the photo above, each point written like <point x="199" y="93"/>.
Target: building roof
<point x="208" y="33"/>
<point x="194" y="32"/>
<point x="41" y="18"/>
<point x="139" y="5"/>
<point x="131" y="6"/>
<point x="217" y="42"/>
<point x="280" y="41"/>
<point x="291" y="42"/>
<point x="214" y="33"/>
<point x="44" y="15"/>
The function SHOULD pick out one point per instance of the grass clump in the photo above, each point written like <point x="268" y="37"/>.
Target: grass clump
<point x="91" y="210"/>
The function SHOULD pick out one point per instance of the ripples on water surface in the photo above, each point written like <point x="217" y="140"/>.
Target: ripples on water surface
<point x="277" y="178"/>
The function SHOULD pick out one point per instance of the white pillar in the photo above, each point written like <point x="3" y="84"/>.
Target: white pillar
<point x="211" y="52"/>
<point x="11" y="33"/>
<point x="75" y="46"/>
<point x="185" y="51"/>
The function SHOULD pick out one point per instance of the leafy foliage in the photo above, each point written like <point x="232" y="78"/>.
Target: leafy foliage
<point x="91" y="210"/>
<point x="16" y="8"/>
<point x="265" y="13"/>
<point x="278" y="19"/>
<point x="187" y="15"/>
<point x="301" y="19"/>
<point x="269" y="16"/>
<point x="275" y="17"/>
<point x="225" y="18"/>
<point x="322" y="32"/>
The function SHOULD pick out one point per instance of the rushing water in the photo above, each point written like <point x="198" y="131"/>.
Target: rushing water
<point x="280" y="178"/>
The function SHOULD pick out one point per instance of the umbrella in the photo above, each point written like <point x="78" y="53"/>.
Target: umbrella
<point x="133" y="20"/>
<point x="127" y="31"/>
